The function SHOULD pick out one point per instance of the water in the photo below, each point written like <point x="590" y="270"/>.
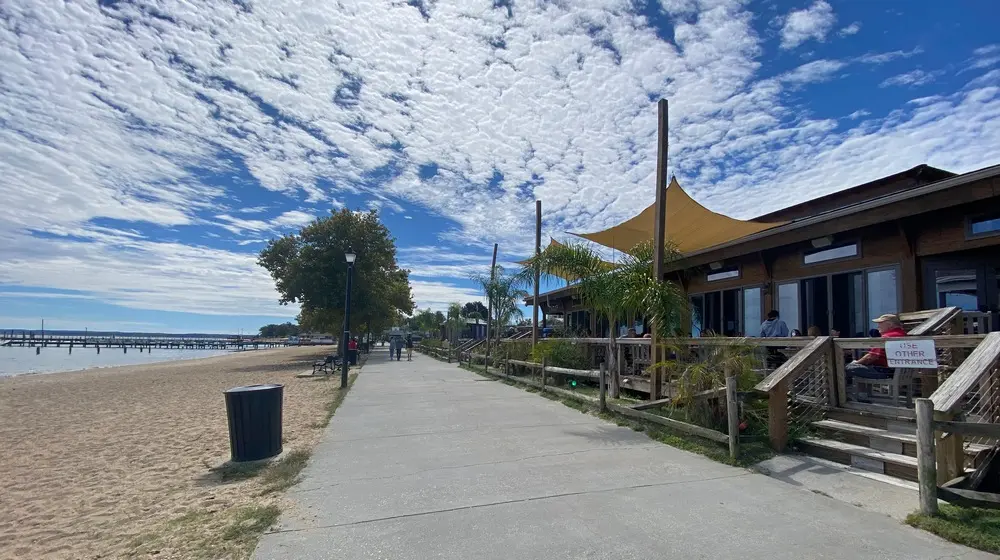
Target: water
<point x="18" y="361"/>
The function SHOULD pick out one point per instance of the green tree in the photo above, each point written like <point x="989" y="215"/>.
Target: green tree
<point x="619" y="291"/>
<point x="474" y="310"/>
<point x="425" y="321"/>
<point x="309" y="269"/>
<point x="505" y="292"/>
<point x="455" y="323"/>
<point x="279" y="331"/>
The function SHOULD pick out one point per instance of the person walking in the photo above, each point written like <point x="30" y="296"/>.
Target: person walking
<point x="392" y="347"/>
<point x="399" y="347"/>
<point x="409" y="348"/>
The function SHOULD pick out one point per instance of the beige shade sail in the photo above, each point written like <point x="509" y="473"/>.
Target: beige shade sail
<point x="689" y="226"/>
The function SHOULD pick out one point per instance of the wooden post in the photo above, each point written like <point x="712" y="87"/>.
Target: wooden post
<point x="841" y="373"/>
<point x="659" y="239"/>
<point x="733" y="413"/>
<point x="538" y="250"/>
<point x="602" y="384"/>
<point x="926" y="462"/>
<point x="831" y="374"/>
<point x="615" y="382"/>
<point x="545" y="363"/>
<point x="489" y="297"/>
<point x="777" y="416"/>
<point x="949" y="452"/>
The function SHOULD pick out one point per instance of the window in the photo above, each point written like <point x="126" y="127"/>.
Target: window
<point x="958" y="288"/>
<point x="831" y="254"/>
<point x="697" y="305"/>
<point x="788" y="304"/>
<point x="987" y="225"/>
<point x="751" y="312"/>
<point x="883" y="296"/>
<point x="723" y="275"/>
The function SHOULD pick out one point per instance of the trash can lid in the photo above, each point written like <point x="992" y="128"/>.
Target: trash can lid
<point x="248" y="388"/>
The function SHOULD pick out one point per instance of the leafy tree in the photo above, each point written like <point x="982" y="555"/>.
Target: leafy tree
<point x="619" y="291"/>
<point x="425" y="321"/>
<point x="309" y="269"/>
<point x="474" y="310"/>
<point x="279" y="331"/>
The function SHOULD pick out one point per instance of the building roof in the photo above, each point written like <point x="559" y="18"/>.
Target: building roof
<point x="778" y="234"/>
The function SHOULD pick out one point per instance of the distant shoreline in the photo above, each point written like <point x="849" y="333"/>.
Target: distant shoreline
<point x="71" y="364"/>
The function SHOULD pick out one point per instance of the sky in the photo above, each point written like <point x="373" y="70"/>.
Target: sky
<point x="148" y="150"/>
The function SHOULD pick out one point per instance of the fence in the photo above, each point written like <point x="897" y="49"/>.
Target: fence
<point x="961" y="420"/>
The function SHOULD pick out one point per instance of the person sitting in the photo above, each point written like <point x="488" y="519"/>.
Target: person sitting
<point x="874" y="364"/>
<point x="814" y="331"/>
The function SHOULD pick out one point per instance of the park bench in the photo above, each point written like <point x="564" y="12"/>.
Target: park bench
<point x="326" y="365"/>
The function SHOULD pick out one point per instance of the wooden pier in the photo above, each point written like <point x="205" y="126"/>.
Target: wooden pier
<point x="142" y="343"/>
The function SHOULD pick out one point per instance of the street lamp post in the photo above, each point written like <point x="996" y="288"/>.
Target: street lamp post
<point x="349" y="257"/>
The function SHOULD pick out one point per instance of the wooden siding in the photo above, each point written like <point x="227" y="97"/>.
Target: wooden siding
<point x="946" y="232"/>
<point x="751" y="274"/>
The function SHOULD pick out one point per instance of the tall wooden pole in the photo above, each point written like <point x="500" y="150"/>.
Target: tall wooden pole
<point x="489" y="297"/>
<point x="659" y="239"/>
<point x="538" y="251"/>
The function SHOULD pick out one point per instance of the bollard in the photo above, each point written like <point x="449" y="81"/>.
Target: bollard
<point x="733" y="415"/>
<point x="926" y="458"/>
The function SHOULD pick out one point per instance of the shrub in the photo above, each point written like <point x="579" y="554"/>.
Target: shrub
<point x="561" y="353"/>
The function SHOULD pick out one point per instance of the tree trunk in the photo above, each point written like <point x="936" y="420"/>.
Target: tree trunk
<point x="611" y="359"/>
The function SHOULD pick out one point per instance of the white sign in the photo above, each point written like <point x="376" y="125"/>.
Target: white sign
<point x="911" y="354"/>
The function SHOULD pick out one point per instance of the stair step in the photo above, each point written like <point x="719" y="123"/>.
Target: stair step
<point x="907" y="440"/>
<point x="894" y="464"/>
<point x="841" y="426"/>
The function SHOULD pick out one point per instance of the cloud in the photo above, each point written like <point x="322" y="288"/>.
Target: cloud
<point x="438" y="295"/>
<point x="860" y="113"/>
<point x="122" y="115"/>
<point x="812" y="72"/>
<point x="813" y="22"/>
<point x="911" y="78"/>
<point x="851" y="29"/>
<point x="884" y="57"/>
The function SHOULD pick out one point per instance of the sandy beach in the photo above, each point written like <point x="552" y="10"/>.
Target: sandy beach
<point x="95" y="464"/>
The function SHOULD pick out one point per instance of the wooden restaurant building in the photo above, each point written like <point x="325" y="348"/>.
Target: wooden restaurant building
<point x="924" y="238"/>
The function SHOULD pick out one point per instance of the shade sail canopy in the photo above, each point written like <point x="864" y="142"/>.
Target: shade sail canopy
<point x="689" y="226"/>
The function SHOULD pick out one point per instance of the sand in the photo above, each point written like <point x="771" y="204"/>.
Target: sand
<point x="94" y="463"/>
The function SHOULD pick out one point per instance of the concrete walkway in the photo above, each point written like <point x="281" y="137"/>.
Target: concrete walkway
<point x="424" y="460"/>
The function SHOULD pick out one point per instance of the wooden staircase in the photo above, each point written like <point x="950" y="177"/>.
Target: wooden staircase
<point x="878" y="441"/>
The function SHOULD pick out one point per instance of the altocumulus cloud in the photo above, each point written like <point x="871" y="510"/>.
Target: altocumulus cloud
<point x="470" y="109"/>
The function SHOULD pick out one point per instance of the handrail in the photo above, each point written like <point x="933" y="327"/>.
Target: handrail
<point x="940" y="341"/>
<point x="592" y="373"/>
<point x="795" y="365"/>
<point x="792" y="341"/>
<point x="980" y="362"/>
<point x="534" y="365"/>
<point x="933" y="322"/>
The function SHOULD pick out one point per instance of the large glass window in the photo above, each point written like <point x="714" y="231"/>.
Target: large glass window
<point x="788" y="304"/>
<point x="751" y="312"/>
<point x="883" y="296"/>
<point x="697" y="312"/>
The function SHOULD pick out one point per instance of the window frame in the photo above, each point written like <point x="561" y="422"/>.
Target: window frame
<point x="857" y="254"/>
<point x="971" y="219"/>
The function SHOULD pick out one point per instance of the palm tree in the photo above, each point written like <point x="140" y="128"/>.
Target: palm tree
<point x="617" y="291"/>
<point x="454" y="323"/>
<point x="506" y="293"/>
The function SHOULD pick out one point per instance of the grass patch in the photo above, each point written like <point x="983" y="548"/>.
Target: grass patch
<point x="285" y="473"/>
<point x="250" y="522"/>
<point x="750" y="454"/>
<point x="973" y="527"/>
<point x="209" y="534"/>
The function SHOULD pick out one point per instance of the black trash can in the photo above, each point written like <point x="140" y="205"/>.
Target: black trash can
<point x="352" y="356"/>
<point x="254" y="421"/>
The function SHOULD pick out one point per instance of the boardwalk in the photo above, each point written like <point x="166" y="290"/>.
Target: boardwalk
<point x="425" y="460"/>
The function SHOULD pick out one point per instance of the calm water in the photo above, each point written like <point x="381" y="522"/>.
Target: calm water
<point x="17" y="361"/>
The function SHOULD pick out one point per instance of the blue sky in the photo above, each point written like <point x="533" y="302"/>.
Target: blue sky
<point x="149" y="150"/>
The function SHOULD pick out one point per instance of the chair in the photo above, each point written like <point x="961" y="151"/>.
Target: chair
<point x="900" y="377"/>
